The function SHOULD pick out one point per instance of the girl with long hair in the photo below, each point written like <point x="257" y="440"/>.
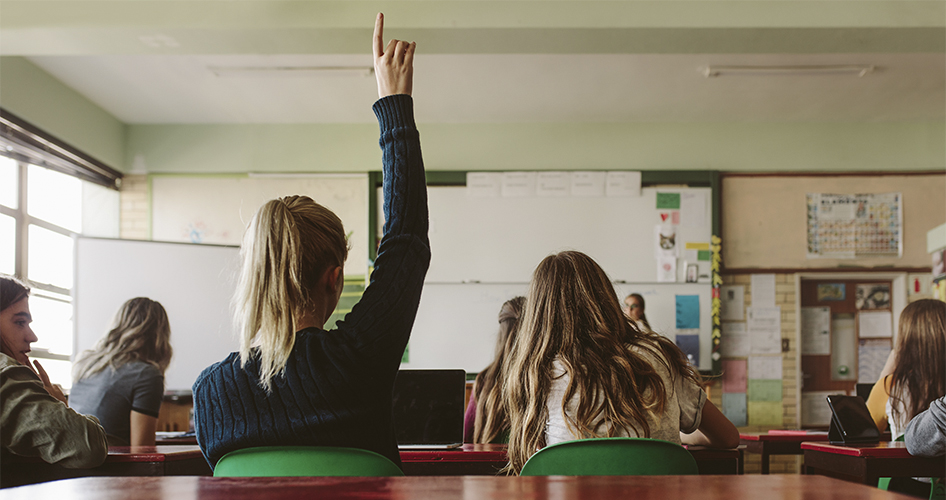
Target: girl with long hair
<point x="485" y="420"/>
<point x="634" y="309"/>
<point x="34" y="418"/>
<point x="121" y="380"/>
<point x="916" y="371"/>
<point x="582" y="369"/>
<point x="292" y="382"/>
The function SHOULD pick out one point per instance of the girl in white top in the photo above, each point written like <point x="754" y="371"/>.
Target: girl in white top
<point x="580" y="368"/>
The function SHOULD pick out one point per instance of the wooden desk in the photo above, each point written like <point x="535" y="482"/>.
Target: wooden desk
<point x="121" y="461"/>
<point x="866" y="463"/>
<point x="777" y="444"/>
<point x="783" y="487"/>
<point x="488" y="459"/>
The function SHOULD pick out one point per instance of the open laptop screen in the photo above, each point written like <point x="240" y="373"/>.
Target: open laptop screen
<point x="428" y="408"/>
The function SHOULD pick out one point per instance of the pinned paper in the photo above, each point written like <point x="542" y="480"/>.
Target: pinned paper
<point x="871" y="356"/>
<point x="816" y="330"/>
<point x="763" y="290"/>
<point x="518" y="184"/>
<point x="765" y="326"/>
<point x="588" y="184"/>
<point x="735" y="377"/>
<point x="875" y="324"/>
<point x="767" y="413"/>
<point x="693" y="245"/>
<point x="621" y="183"/>
<point x="735" y="340"/>
<point x="666" y="269"/>
<point x="553" y="184"/>
<point x="765" y="367"/>
<point x="688" y="311"/>
<point x="732" y="302"/>
<point x="703" y="255"/>
<point x="668" y="201"/>
<point x="690" y="345"/>
<point x="665" y="240"/>
<point x="734" y="408"/>
<point x="693" y="209"/>
<point x="484" y="184"/>
<point x="765" y="390"/>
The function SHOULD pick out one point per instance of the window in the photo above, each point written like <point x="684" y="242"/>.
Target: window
<point x="41" y="210"/>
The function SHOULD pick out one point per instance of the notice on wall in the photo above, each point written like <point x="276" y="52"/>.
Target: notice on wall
<point x="874" y="324"/>
<point x="693" y="209"/>
<point x="855" y="225"/>
<point x="765" y="367"/>
<point x="734" y="408"/>
<point x="815" y="411"/>
<point x="763" y="290"/>
<point x="588" y="184"/>
<point x="816" y="330"/>
<point x="765" y="329"/>
<point x="518" y="184"/>
<point x="735" y="376"/>
<point x="734" y="341"/>
<point x="732" y="302"/>
<point x="484" y="184"/>
<point x="553" y="184"/>
<point x="768" y="413"/>
<point x="621" y="183"/>
<point x="871" y="357"/>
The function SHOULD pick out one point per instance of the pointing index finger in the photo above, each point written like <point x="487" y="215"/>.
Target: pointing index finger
<point x="378" y="35"/>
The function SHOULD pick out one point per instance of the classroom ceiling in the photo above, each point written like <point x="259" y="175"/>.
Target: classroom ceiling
<point x="158" y="61"/>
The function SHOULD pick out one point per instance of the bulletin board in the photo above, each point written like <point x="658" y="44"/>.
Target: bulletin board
<point x="216" y="209"/>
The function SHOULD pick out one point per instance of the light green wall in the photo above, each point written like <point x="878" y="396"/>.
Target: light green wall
<point x="787" y="147"/>
<point x="35" y="96"/>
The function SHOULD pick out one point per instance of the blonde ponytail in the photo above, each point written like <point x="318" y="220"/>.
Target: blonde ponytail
<point x="288" y="245"/>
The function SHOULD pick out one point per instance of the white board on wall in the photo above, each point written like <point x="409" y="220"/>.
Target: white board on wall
<point x="457" y="323"/>
<point x="484" y="250"/>
<point x="217" y="209"/>
<point x="194" y="283"/>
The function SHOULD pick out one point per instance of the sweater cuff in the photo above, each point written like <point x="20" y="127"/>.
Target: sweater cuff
<point x="395" y="111"/>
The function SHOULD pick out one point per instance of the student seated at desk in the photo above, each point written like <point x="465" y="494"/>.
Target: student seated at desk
<point x="485" y="420"/>
<point x="121" y="381"/>
<point x="34" y="418"/>
<point x="581" y="369"/>
<point x="926" y="433"/>
<point x="293" y="383"/>
<point x="915" y="373"/>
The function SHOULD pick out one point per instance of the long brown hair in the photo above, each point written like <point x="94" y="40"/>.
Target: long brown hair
<point x="919" y="376"/>
<point x="491" y="419"/>
<point x="572" y="314"/>
<point x="288" y="245"/>
<point x="140" y="332"/>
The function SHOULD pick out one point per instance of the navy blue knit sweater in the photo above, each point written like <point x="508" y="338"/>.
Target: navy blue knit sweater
<point x="337" y="385"/>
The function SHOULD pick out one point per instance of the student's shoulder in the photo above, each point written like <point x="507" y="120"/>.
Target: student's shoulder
<point x="217" y="370"/>
<point x="12" y="370"/>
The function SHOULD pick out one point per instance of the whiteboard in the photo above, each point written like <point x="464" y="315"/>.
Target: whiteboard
<point x="484" y="250"/>
<point x="457" y="323"/>
<point x="194" y="283"/>
<point x="217" y="209"/>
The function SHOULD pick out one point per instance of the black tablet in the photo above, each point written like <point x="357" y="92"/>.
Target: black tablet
<point x="851" y="421"/>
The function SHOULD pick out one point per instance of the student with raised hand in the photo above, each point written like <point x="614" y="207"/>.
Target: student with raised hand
<point x="485" y="420"/>
<point x="121" y="380"/>
<point x="34" y="419"/>
<point x="582" y="369"/>
<point x="294" y="383"/>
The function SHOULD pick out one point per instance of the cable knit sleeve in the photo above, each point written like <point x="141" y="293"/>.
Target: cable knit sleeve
<point x="926" y="433"/>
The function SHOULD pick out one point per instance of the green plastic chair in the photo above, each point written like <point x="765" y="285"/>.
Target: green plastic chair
<point x="937" y="485"/>
<point x="611" y="457"/>
<point x="294" y="461"/>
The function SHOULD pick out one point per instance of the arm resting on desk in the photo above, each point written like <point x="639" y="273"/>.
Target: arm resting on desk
<point x="143" y="428"/>
<point x="715" y="430"/>
<point x="926" y="433"/>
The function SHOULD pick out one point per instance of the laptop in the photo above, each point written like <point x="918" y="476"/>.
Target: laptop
<point x="428" y="409"/>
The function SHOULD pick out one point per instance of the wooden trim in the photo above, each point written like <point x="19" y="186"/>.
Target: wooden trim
<point x="834" y="174"/>
<point x="794" y="270"/>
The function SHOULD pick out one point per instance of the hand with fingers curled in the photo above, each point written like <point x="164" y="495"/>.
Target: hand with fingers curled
<point x="394" y="64"/>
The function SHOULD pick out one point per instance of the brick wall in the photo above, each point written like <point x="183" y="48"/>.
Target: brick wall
<point x="134" y="207"/>
<point x="784" y="298"/>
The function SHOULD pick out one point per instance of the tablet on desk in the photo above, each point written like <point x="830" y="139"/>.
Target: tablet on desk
<point x="851" y="422"/>
<point x="428" y="409"/>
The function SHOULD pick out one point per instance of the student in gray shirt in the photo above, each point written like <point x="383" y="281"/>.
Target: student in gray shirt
<point x="926" y="433"/>
<point x="121" y="380"/>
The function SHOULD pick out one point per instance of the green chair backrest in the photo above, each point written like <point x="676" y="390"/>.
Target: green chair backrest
<point x="611" y="457"/>
<point x="291" y="461"/>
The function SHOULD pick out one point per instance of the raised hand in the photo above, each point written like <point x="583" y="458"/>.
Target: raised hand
<point x="394" y="65"/>
<point x="54" y="390"/>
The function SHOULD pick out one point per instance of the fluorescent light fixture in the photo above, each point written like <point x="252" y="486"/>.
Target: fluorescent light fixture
<point x="281" y="71"/>
<point x="829" y="69"/>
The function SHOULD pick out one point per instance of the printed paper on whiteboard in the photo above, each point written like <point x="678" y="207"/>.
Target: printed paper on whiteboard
<point x="518" y="184"/>
<point x="553" y="184"/>
<point x="588" y="184"/>
<point x="623" y="183"/>
<point x="483" y="184"/>
<point x="666" y="269"/>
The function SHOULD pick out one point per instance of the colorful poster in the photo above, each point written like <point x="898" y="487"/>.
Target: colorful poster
<point x="668" y="201"/>
<point x="688" y="312"/>
<point x="831" y="291"/>
<point x="847" y="226"/>
<point x="734" y="408"/>
<point x="873" y="296"/>
<point x="734" y="375"/>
